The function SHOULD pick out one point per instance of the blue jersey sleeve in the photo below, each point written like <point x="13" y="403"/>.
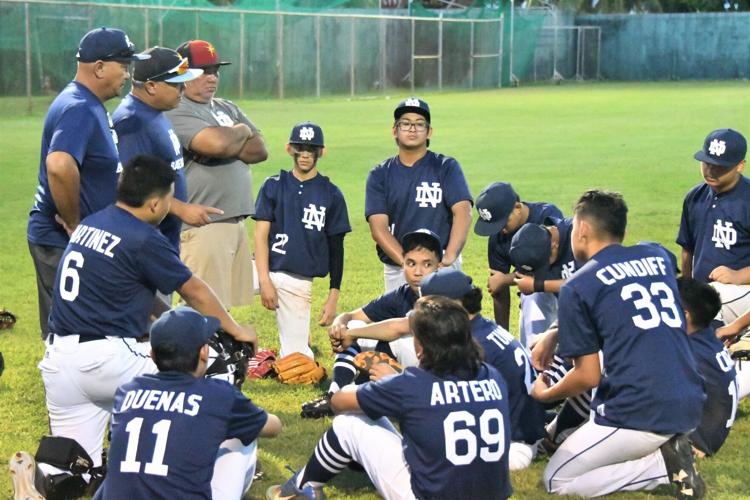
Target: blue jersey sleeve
<point x="337" y="221"/>
<point x="497" y="255"/>
<point x="384" y="307"/>
<point x="161" y="264"/>
<point x="131" y="143"/>
<point x="455" y="182"/>
<point x="577" y="333"/>
<point x="72" y="132"/>
<point x="375" y="198"/>
<point x="685" y="238"/>
<point x="265" y="203"/>
<point x="245" y="419"/>
<point x="384" y="398"/>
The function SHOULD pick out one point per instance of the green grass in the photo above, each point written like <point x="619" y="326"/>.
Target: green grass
<point x="552" y="143"/>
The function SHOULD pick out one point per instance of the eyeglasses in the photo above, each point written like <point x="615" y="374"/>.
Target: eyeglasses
<point x="211" y="70"/>
<point x="406" y="125"/>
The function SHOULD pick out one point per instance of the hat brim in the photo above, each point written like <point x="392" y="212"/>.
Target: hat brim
<point x="190" y="74"/>
<point x="134" y="57"/>
<point x="701" y="156"/>
<point x="485" y="228"/>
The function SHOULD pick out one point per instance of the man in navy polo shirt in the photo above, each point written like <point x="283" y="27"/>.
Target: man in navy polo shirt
<point x="79" y="164"/>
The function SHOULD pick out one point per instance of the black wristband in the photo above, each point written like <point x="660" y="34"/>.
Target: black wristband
<point x="538" y="284"/>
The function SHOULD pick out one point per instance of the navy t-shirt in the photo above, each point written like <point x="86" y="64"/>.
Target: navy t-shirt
<point x="456" y="433"/>
<point x="717" y="368"/>
<point x="141" y="130"/>
<point x="109" y="273"/>
<point x="78" y="124"/>
<point x="716" y="228"/>
<point x="393" y="304"/>
<point x="303" y="214"/>
<point x="511" y="359"/>
<point x="625" y="302"/>
<point x="166" y="432"/>
<point x="498" y="245"/>
<point x="420" y="196"/>
<point x="565" y="264"/>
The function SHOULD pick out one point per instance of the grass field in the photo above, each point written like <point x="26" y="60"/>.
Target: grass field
<point x="550" y="142"/>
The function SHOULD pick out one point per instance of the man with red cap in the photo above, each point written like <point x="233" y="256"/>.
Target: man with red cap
<point x="219" y="142"/>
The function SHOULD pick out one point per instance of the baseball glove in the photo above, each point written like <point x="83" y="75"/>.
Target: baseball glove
<point x="367" y="359"/>
<point x="261" y="365"/>
<point x="232" y="357"/>
<point x="296" y="368"/>
<point x="740" y="349"/>
<point x="7" y="319"/>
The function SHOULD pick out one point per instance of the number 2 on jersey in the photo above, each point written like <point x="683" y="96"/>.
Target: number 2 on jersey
<point x="493" y="438"/>
<point x="278" y="246"/>
<point x="651" y="315"/>
<point x="156" y="466"/>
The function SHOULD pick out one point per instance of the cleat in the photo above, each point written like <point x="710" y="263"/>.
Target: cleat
<point x="23" y="471"/>
<point x="678" y="459"/>
<point x="317" y="408"/>
<point x="289" y="491"/>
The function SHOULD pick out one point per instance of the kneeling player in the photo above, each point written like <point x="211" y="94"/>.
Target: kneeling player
<point x="651" y="392"/>
<point x="167" y="427"/>
<point x="452" y="411"/>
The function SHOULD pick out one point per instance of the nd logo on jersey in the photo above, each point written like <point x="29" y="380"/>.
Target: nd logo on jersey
<point x="568" y="270"/>
<point x="429" y="193"/>
<point x="314" y="216"/>
<point x="724" y="234"/>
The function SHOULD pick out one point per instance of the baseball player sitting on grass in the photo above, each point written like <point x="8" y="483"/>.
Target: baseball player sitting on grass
<point x="104" y="291"/>
<point x="452" y="412"/>
<point x="701" y="303"/>
<point x="649" y="392"/>
<point x="501" y="214"/>
<point x="149" y="456"/>
<point x="499" y="349"/>
<point x="422" y="252"/>
<point x="301" y="220"/>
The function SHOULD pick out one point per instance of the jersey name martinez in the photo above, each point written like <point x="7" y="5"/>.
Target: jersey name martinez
<point x="96" y="239"/>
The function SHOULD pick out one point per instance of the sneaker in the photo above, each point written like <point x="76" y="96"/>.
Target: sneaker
<point x="289" y="491"/>
<point x="678" y="458"/>
<point x="317" y="408"/>
<point x="23" y="472"/>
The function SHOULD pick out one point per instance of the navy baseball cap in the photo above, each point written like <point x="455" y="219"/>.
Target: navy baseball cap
<point x="412" y="105"/>
<point x="530" y="248"/>
<point x="107" y="44"/>
<point x="423" y="238"/>
<point x="307" y="133"/>
<point x="494" y="204"/>
<point x="183" y="329"/>
<point x="164" y="65"/>
<point x="724" y="147"/>
<point x="446" y="282"/>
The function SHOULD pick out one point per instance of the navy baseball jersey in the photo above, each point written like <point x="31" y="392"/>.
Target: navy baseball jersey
<point x="456" y="432"/>
<point x="511" y="360"/>
<point x="394" y="304"/>
<point x="624" y="302"/>
<point x="420" y="196"/>
<point x="717" y="368"/>
<point x="166" y="432"/>
<point x="78" y="124"/>
<point x="142" y="129"/>
<point x="498" y="245"/>
<point x="565" y="264"/>
<point x="303" y="214"/>
<point x="716" y="228"/>
<point x="109" y="273"/>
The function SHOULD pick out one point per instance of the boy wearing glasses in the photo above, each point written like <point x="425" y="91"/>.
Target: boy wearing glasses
<point x="219" y="143"/>
<point x="301" y="220"/>
<point x="416" y="189"/>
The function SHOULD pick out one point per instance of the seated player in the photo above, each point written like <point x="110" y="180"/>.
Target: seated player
<point x="619" y="315"/>
<point x="422" y="253"/>
<point x="452" y="411"/>
<point x="301" y="221"/>
<point x="701" y="303"/>
<point x="167" y="427"/>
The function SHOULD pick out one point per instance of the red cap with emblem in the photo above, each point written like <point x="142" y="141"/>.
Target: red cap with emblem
<point x="200" y="54"/>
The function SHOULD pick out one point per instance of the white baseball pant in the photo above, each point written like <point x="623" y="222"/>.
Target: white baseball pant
<point x="294" y="295"/>
<point x="229" y="482"/>
<point x="743" y="377"/>
<point x="80" y="380"/>
<point x="735" y="300"/>
<point x="598" y="460"/>
<point x="393" y="276"/>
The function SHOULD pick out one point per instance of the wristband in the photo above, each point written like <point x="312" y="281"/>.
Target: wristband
<point x="538" y="284"/>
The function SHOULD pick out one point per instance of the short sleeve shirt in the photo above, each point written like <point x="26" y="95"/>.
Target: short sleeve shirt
<point x="393" y="304"/>
<point x="420" y="196"/>
<point x="303" y="215"/>
<point x="141" y="130"/>
<point x="166" y="432"/>
<point x="77" y="124"/>
<point x="109" y="273"/>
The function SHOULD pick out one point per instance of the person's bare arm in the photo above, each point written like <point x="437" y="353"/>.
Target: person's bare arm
<point x="254" y="150"/>
<point x="501" y="303"/>
<point x="345" y="401"/>
<point x="272" y="428"/>
<point x="459" y="232"/>
<point x="585" y="375"/>
<point x="381" y="233"/>
<point x="729" y="276"/>
<point x="687" y="262"/>
<point x="193" y="213"/>
<point x="221" y="142"/>
<point x="268" y="295"/>
<point x="387" y="330"/>
<point x="65" y="185"/>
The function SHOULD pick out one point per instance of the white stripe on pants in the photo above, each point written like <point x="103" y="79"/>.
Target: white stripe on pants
<point x="597" y="460"/>
<point x="294" y="294"/>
